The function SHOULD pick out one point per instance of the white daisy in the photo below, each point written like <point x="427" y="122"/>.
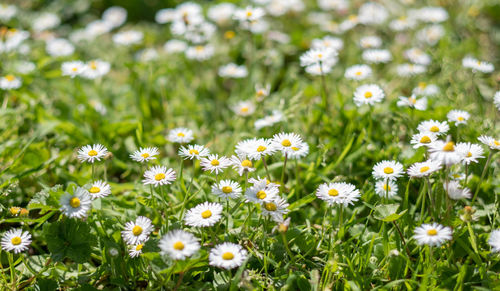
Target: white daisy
<point x="444" y="152"/>
<point x="76" y="204"/>
<point x="299" y="150"/>
<point x="276" y="208"/>
<point x="413" y="102"/>
<point x="423" y="139"/>
<point x="261" y="191"/>
<point x="493" y="143"/>
<point x="135" y="250"/>
<point x="494" y="241"/>
<point x="95" y="69"/>
<point x="59" y="47"/>
<point x="99" y="189"/>
<point x="338" y="193"/>
<point x="9" y="82"/>
<point x="73" y="68"/>
<point x="496" y="99"/>
<point x="469" y="152"/>
<point x="227" y="255"/>
<point x="137" y="231"/>
<point x="232" y="70"/>
<point x="91" y="153"/>
<point x="262" y="91"/>
<point x="204" y="215"/>
<point x="242" y="164"/>
<point x="254" y="148"/>
<point x="200" y="52"/>
<point x="432" y="234"/>
<point x="214" y="163"/>
<point x="128" y="37"/>
<point x="180" y="135"/>
<point x="16" y="240"/>
<point x="227" y="189"/>
<point x="387" y="170"/>
<point x="145" y="154"/>
<point x="457" y="176"/>
<point x="431" y="34"/>
<point x="456" y="192"/>
<point x="158" y="176"/>
<point x="417" y="56"/>
<point x="248" y="14"/>
<point x="384" y="189"/>
<point x="424" y="169"/>
<point x="327" y="42"/>
<point x="458" y="116"/>
<point x="320" y="56"/>
<point x="244" y="108"/>
<point x="368" y="94"/>
<point x="193" y="152"/>
<point x="433" y="126"/>
<point x="477" y="65"/>
<point x="424" y="89"/>
<point x="175" y="46"/>
<point x="179" y="244"/>
<point x="115" y="15"/>
<point x="376" y="56"/>
<point x="358" y="72"/>
<point x="318" y="70"/>
<point x="408" y="70"/>
<point x="286" y="143"/>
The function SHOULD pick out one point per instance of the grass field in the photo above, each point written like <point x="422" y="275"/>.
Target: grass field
<point x="239" y="146"/>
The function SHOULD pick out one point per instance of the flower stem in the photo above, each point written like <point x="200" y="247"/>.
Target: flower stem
<point x="482" y="176"/>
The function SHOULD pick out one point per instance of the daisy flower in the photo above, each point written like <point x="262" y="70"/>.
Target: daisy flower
<point x="496" y="99"/>
<point x="338" y="193"/>
<point x="457" y="176"/>
<point x="175" y="46"/>
<point x="179" y="244"/>
<point x="16" y="241"/>
<point x="204" y="215"/>
<point x="320" y="56"/>
<point x="248" y="14"/>
<point x="431" y="34"/>
<point x="469" y="152"/>
<point x="145" y="154"/>
<point x="370" y="41"/>
<point x="214" y="163"/>
<point x="494" y="144"/>
<point x="456" y="192"/>
<point x="417" y="56"/>
<point x="477" y="65"/>
<point x="59" y="47"/>
<point x="227" y="189"/>
<point x="458" y="116"/>
<point x="299" y="150"/>
<point x="95" y="69"/>
<point x="135" y="250"/>
<point x="137" y="231"/>
<point x="276" y="208"/>
<point x="334" y="43"/>
<point x="73" y="68"/>
<point x="254" y="148"/>
<point x="261" y="191"/>
<point x="376" y="56"/>
<point x="408" y="70"/>
<point x="9" y="82"/>
<point x="318" y="70"/>
<point x="180" y="135"/>
<point x="99" y="189"/>
<point x="159" y="176"/>
<point x="91" y="153"/>
<point x="193" y="152"/>
<point x="413" y="102"/>
<point x="432" y="234"/>
<point x="76" y="205"/>
<point x="227" y="256"/>
<point x="494" y="241"/>
<point x="244" y="108"/>
<point x="424" y="169"/>
<point x="241" y="164"/>
<point x="262" y="91"/>
<point x="433" y="126"/>
<point x="128" y="37"/>
<point x="358" y="72"/>
<point x="423" y="139"/>
<point x="384" y="189"/>
<point x="45" y="21"/>
<point x="232" y="70"/>
<point x="200" y="52"/>
<point x="424" y="89"/>
<point x="368" y="94"/>
<point x="387" y="170"/>
<point x="444" y="152"/>
<point x="286" y="143"/>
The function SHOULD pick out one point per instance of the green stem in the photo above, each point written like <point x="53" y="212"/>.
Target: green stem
<point x="482" y="176"/>
<point x="283" y="174"/>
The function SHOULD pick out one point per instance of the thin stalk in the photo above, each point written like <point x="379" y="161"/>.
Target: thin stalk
<point x="283" y="174"/>
<point x="482" y="177"/>
<point x="324" y="88"/>
<point x="265" y="167"/>
<point x="402" y="238"/>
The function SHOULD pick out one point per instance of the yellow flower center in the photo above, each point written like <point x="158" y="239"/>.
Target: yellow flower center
<point x="227" y="256"/>
<point x="496" y="142"/>
<point x="227" y="189"/>
<point x="422" y="85"/>
<point x="193" y="152"/>
<point x="246" y="163"/>
<point x="15" y="210"/>
<point x="352" y="17"/>
<point x="261" y="194"/>
<point x="244" y="109"/>
<point x="74" y="202"/>
<point x="10" y="78"/>
<point x="270" y="206"/>
<point x="388" y="170"/>
<point x="469" y="154"/>
<point x="16" y="240"/>
<point x="214" y="163"/>
<point x="286" y="143"/>
<point x="199" y="48"/>
<point x="387" y="187"/>
<point x="93" y="65"/>
<point x="412" y="100"/>
<point x="206" y="214"/>
<point x="424" y="169"/>
<point x="92" y="153"/>
<point x="159" y="176"/>
<point x="139" y="247"/>
<point x="434" y="128"/>
<point x="229" y="34"/>
<point x="94" y="190"/>
<point x="449" y="147"/>
<point x="295" y="148"/>
<point x="145" y="155"/>
<point x="137" y="230"/>
<point x="261" y="149"/>
<point x="368" y="94"/>
<point x="333" y="192"/>
<point x="178" y="245"/>
<point x="460" y="118"/>
<point x="180" y="134"/>
<point x="425" y="139"/>
<point x="320" y="56"/>
<point x="249" y="13"/>
<point x="432" y="232"/>
<point x="358" y="73"/>
<point x="74" y="69"/>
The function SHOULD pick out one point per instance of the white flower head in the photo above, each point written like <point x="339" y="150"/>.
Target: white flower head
<point x="456" y="192"/>
<point x="334" y="43"/>
<point x="368" y="94"/>
<point x="16" y="241"/>
<point x="242" y="164"/>
<point x="9" y="82"/>
<point x="384" y="188"/>
<point x="92" y="153"/>
<point x="73" y="68"/>
<point x="200" y="52"/>
<point x="204" y="215"/>
<point x="249" y="14"/>
<point x="180" y="135"/>
<point x="494" y="241"/>
<point x="99" y="189"/>
<point x="137" y="231"/>
<point x="227" y="256"/>
<point x="413" y="102"/>
<point x="319" y="56"/>
<point x="424" y="89"/>
<point x="135" y="250"/>
<point x="469" y="152"/>
<point x="432" y="234"/>
<point x="444" y="152"/>
<point x="128" y="37"/>
<point x="286" y="143"/>
<point x="458" y="116"/>
<point x="370" y="42"/>
<point x="95" y="69"/>
<point x="59" y="47"/>
<point x="376" y="56"/>
<point x="255" y="149"/>
<point x="276" y="208"/>
<point x="214" y="163"/>
<point x="358" y="72"/>
<point x="175" y="46"/>
<point x="159" y="176"/>
<point x="227" y="189"/>
<point x="338" y="193"/>
<point x="261" y="191"/>
<point x="436" y="127"/>
<point x="76" y="204"/>
<point x="496" y="99"/>
<point x="387" y="170"/>
<point x="193" y="152"/>
<point x="424" y="169"/>
<point x="232" y="70"/>
<point x="145" y="154"/>
<point x="244" y="108"/>
<point x="179" y="244"/>
<point x="493" y="143"/>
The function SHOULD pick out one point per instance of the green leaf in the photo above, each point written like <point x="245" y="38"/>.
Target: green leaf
<point x="47" y="199"/>
<point x="388" y="212"/>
